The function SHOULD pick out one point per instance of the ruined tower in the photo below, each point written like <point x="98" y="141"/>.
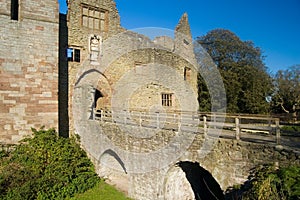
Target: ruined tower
<point x="28" y="67"/>
<point x="96" y="37"/>
<point x="183" y="39"/>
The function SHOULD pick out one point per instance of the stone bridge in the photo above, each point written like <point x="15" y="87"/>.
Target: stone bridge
<point x="139" y="151"/>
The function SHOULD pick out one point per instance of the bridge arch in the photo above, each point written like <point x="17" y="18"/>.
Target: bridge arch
<point x="188" y="180"/>
<point x="176" y="186"/>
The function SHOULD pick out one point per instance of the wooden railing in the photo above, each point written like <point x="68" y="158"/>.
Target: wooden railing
<point x="235" y="125"/>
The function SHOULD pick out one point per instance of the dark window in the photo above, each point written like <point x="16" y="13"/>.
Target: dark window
<point x="187" y="73"/>
<point x="185" y="42"/>
<point x="166" y="99"/>
<point x="14" y="10"/>
<point x="77" y="55"/>
<point x="73" y="55"/>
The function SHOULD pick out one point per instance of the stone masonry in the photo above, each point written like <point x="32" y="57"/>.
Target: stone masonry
<point x="110" y="57"/>
<point x="36" y="89"/>
<point x="28" y="67"/>
<point x="127" y="159"/>
<point x="58" y="70"/>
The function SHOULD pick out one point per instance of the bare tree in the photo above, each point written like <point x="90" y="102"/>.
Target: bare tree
<point x="286" y="96"/>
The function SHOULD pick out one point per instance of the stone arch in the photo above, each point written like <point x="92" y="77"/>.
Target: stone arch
<point x="90" y="76"/>
<point x="112" y="154"/>
<point x="99" y="89"/>
<point x="176" y="186"/>
<point x="188" y="181"/>
<point x="113" y="169"/>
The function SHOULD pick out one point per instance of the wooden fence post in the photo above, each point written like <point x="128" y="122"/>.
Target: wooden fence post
<point x="277" y="131"/>
<point x="101" y="115"/>
<point x="125" y="117"/>
<point x="205" y="125"/>
<point x="215" y="120"/>
<point x="238" y="130"/>
<point x="270" y="126"/>
<point x="140" y="118"/>
<point x="93" y="113"/>
<point x="179" y="123"/>
<point x="157" y="120"/>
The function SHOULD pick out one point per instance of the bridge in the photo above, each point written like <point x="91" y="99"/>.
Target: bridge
<point x="251" y="128"/>
<point x="139" y="151"/>
<point x="231" y="126"/>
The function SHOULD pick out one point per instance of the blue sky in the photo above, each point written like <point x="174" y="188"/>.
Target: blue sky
<point x="274" y="26"/>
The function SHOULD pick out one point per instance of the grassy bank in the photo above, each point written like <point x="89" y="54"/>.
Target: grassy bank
<point x="101" y="191"/>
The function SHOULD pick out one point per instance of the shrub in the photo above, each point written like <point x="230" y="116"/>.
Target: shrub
<point x="270" y="183"/>
<point x="291" y="128"/>
<point x="45" y="167"/>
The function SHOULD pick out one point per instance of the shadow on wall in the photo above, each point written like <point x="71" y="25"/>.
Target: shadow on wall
<point x="202" y="182"/>
<point x="63" y="79"/>
<point x="116" y="157"/>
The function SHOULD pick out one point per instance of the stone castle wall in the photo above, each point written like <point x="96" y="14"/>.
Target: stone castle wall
<point x="126" y="58"/>
<point x="37" y="89"/>
<point x="147" y="73"/>
<point x="28" y="68"/>
<point x="34" y="92"/>
<point x="79" y="37"/>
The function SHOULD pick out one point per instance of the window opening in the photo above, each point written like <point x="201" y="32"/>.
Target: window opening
<point x="94" y="18"/>
<point x="73" y="55"/>
<point x="185" y="42"/>
<point x="166" y="99"/>
<point x="187" y="73"/>
<point x="14" y="10"/>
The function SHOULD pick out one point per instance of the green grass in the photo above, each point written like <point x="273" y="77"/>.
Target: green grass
<point x="102" y="191"/>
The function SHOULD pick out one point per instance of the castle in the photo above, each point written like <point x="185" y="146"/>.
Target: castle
<point x="46" y="57"/>
<point x="60" y="70"/>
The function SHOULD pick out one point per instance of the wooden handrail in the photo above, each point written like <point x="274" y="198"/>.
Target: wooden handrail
<point x="178" y="120"/>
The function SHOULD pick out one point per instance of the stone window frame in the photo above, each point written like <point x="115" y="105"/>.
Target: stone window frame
<point x="93" y="15"/>
<point x="167" y="99"/>
<point x="73" y="54"/>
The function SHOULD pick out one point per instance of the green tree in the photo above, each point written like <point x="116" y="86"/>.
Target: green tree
<point x="286" y="97"/>
<point x="241" y="66"/>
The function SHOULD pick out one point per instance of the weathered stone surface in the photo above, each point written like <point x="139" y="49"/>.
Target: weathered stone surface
<point x="116" y="150"/>
<point x="28" y="69"/>
<point x="116" y="69"/>
<point x="147" y="68"/>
